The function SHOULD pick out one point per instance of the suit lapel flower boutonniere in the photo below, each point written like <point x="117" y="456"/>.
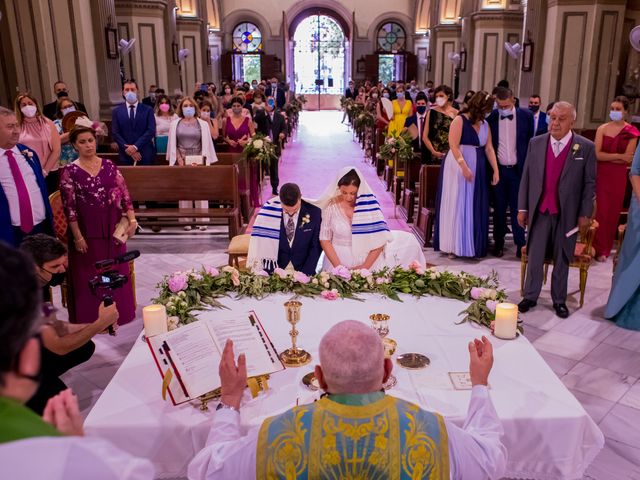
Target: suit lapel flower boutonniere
<point x="28" y="154"/>
<point x="575" y="148"/>
<point x="306" y="219"/>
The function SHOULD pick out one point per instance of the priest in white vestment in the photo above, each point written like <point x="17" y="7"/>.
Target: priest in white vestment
<point x="50" y="447"/>
<point x="355" y="431"/>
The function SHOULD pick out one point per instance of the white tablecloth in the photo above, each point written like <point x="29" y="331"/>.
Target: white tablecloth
<point x="547" y="432"/>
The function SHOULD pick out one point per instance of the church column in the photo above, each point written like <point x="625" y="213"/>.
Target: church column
<point x="444" y="39"/>
<point x="534" y="32"/>
<point x="109" y="86"/>
<point x="581" y="54"/>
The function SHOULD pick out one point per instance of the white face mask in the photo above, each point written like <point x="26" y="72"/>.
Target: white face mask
<point x="68" y="110"/>
<point x="205" y="115"/>
<point x="440" y="101"/>
<point x="29" y="111"/>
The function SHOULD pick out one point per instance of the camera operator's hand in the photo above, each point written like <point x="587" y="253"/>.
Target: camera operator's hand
<point x="481" y="361"/>
<point x="63" y="413"/>
<point x="81" y="245"/>
<point x="107" y="316"/>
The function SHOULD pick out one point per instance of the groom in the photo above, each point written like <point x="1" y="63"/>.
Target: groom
<point x="286" y="234"/>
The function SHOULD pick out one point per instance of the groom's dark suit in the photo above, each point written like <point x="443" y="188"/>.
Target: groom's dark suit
<point x="305" y="249"/>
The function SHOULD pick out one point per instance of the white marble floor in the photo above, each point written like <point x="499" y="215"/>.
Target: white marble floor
<point x="597" y="361"/>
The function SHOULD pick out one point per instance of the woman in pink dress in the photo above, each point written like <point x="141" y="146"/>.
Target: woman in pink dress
<point x="238" y="130"/>
<point x="95" y="198"/>
<point x="615" y="145"/>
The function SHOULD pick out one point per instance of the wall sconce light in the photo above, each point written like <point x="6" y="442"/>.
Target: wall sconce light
<point x="527" y="54"/>
<point x="463" y="60"/>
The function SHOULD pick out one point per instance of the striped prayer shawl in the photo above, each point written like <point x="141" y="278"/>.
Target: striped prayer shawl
<point x="368" y="228"/>
<point x="265" y="237"/>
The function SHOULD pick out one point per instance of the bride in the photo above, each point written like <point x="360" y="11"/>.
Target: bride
<point x="354" y="232"/>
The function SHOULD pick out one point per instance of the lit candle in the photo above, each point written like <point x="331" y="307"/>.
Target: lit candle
<point x="154" y="318"/>
<point x="506" y="321"/>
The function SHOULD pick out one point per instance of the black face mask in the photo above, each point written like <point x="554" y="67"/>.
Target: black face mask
<point x="62" y="94"/>
<point x="534" y="108"/>
<point x="56" y="278"/>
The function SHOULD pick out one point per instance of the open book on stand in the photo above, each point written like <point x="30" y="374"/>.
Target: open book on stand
<point x="192" y="353"/>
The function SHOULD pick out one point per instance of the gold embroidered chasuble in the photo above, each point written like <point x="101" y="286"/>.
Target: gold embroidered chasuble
<point x="386" y="439"/>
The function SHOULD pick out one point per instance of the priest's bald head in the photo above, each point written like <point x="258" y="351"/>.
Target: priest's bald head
<point x="352" y="359"/>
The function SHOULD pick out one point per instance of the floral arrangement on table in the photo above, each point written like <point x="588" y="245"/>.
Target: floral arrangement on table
<point x="397" y="144"/>
<point x="185" y="293"/>
<point x="262" y="149"/>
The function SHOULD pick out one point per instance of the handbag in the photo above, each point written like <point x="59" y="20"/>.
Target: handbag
<point x="120" y="232"/>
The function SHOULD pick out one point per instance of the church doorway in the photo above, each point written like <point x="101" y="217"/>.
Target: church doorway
<point x="319" y="60"/>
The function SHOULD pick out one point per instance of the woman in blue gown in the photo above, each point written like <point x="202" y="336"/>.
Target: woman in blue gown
<point x="623" y="306"/>
<point x="462" y="203"/>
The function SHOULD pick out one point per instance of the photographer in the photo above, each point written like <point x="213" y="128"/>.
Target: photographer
<point x="64" y="345"/>
<point x="50" y="447"/>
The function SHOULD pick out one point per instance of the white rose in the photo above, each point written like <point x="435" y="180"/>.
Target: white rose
<point x="258" y="144"/>
<point x="314" y="281"/>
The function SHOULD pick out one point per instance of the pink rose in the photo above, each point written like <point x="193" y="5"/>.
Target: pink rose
<point x="196" y="276"/>
<point x="301" y="278"/>
<point x="262" y="273"/>
<point x="330" y="294"/>
<point x="365" y="273"/>
<point x="177" y="282"/>
<point x="235" y="278"/>
<point x="280" y="272"/>
<point x="213" y="271"/>
<point x="491" y="305"/>
<point x="416" y="267"/>
<point x="379" y="281"/>
<point x="342" y="272"/>
<point x="476" y="292"/>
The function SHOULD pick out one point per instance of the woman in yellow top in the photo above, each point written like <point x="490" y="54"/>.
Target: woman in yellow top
<point x="402" y="108"/>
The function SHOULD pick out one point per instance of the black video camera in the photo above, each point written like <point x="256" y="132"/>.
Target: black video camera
<point x="107" y="280"/>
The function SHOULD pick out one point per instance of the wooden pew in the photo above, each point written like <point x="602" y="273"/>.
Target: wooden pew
<point x="423" y="226"/>
<point x="244" y="180"/>
<point x="408" y="200"/>
<point x="215" y="183"/>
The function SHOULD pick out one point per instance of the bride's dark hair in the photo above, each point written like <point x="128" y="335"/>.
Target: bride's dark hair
<point x="351" y="178"/>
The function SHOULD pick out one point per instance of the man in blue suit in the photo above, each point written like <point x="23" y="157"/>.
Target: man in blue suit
<point x="299" y="231"/>
<point x="24" y="201"/>
<point x="134" y="128"/>
<point x="540" y="125"/>
<point x="511" y="130"/>
<point x="277" y="93"/>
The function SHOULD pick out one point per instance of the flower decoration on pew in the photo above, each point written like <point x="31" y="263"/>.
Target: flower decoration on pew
<point x="397" y="145"/>
<point x="186" y="293"/>
<point x="261" y="149"/>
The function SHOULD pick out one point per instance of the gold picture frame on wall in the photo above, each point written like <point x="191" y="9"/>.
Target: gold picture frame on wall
<point x="527" y="56"/>
<point x="111" y="36"/>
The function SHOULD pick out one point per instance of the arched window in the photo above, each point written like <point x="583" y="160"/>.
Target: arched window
<point x="247" y="38"/>
<point x="391" y="38"/>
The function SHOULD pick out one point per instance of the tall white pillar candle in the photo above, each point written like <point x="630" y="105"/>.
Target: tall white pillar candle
<point x="506" y="321"/>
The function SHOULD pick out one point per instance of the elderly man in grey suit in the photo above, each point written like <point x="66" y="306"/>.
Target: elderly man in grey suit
<point x="556" y="195"/>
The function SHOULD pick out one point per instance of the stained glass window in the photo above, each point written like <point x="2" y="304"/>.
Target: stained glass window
<point x="247" y="38"/>
<point x="391" y="37"/>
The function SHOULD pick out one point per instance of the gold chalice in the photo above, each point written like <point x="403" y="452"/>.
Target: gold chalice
<point x="380" y="323"/>
<point x="294" y="356"/>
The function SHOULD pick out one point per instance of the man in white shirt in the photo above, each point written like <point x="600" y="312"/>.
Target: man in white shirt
<point x="51" y="447"/>
<point x="24" y="201"/>
<point x="352" y="371"/>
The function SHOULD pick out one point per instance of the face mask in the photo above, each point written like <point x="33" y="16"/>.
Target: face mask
<point x="165" y="107"/>
<point x="615" y="115"/>
<point x="63" y="93"/>
<point x="205" y="115"/>
<point x="413" y="88"/>
<point x="29" y="111"/>
<point x="421" y="109"/>
<point x="131" y="97"/>
<point x="68" y="110"/>
<point x="504" y="112"/>
<point x="152" y="96"/>
<point x="374" y="95"/>
<point x="271" y="103"/>
<point x="227" y="91"/>
<point x="385" y="95"/>
<point x="440" y="101"/>
<point x="400" y="92"/>
<point x="534" y="108"/>
<point x="237" y="111"/>
<point x="274" y="85"/>
<point x="189" y="112"/>
<point x="57" y="279"/>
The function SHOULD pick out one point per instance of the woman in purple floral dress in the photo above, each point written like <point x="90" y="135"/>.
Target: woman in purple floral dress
<point x="95" y="199"/>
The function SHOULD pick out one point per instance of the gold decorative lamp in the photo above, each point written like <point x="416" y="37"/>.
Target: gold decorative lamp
<point x="294" y="356"/>
<point x="380" y="323"/>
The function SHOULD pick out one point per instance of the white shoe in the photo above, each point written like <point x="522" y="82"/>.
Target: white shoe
<point x="187" y="228"/>
<point x="202" y="228"/>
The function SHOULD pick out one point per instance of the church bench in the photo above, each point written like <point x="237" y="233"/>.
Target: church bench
<point x="423" y="226"/>
<point x="215" y="183"/>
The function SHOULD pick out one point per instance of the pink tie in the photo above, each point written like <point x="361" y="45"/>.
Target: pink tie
<point x="24" y="202"/>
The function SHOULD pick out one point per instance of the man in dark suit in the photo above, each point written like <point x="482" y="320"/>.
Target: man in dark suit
<point x="511" y="130"/>
<point x="277" y="93"/>
<point x="299" y="232"/>
<point x="415" y="124"/>
<point x="24" y="201"/>
<point x="539" y="118"/>
<point x="134" y="128"/>
<point x="270" y="122"/>
<point x="51" y="111"/>
<point x="351" y="92"/>
<point x="150" y="100"/>
<point x="556" y="201"/>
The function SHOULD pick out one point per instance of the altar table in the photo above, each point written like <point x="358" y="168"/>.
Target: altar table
<point x="548" y="434"/>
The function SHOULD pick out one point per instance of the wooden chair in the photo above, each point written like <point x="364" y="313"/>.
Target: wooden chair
<point x="238" y="250"/>
<point x="582" y="259"/>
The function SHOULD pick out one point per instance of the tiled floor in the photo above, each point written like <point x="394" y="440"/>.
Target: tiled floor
<point x="597" y="361"/>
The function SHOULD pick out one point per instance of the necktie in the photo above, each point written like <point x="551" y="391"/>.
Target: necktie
<point x="24" y="202"/>
<point x="290" y="229"/>
<point x="557" y="148"/>
<point x="132" y="113"/>
<point x="420" y="129"/>
<point x="508" y="117"/>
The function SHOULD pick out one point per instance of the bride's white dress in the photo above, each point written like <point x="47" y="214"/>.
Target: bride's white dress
<point x="336" y="227"/>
